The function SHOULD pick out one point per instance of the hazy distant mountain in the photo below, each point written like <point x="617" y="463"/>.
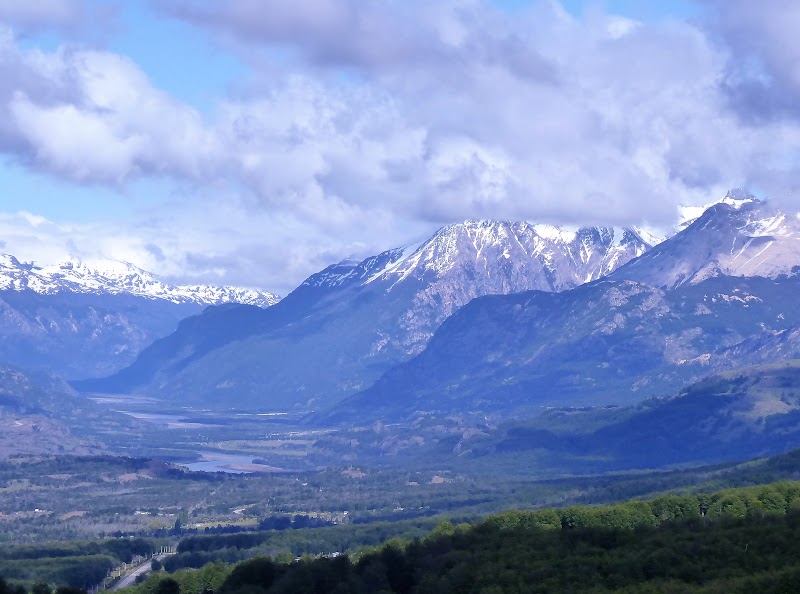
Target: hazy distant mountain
<point x="40" y="414"/>
<point x="79" y="320"/>
<point x="344" y="326"/>
<point x="111" y="277"/>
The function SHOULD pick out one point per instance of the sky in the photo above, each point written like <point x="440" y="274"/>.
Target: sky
<point x="254" y="142"/>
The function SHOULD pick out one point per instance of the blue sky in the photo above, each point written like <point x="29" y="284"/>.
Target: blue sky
<point x="220" y="142"/>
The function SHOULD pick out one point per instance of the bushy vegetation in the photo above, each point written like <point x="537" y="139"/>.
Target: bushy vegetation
<point x="237" y="510"/>
<point x="734" y="540"/>
<point x="86" y="498"/>
<point x="197" y="551"/>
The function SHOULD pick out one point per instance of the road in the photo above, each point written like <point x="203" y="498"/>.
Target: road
<point x="131" y="578"/>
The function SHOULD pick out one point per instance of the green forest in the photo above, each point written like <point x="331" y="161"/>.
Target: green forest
<point x="71" y="564"/>
<point x="733" y="540"/>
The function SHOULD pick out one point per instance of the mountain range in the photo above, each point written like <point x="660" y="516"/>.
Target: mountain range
<point x="40" y="414"/>
<point x="670" y="316"/>
<point x="568" y="344"/>
<point x="611" y="342"/>
<point x="112" y="277"/>
<point x="348" y="324"/>
<point x="738" y="238"/>
<point x="79" y="319"/>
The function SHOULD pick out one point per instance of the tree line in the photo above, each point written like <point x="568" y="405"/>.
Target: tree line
<point x="72" y="564"/>
<point x="735" y="540"/>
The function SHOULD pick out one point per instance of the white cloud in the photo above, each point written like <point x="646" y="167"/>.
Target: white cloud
<point x="363" y="121"/>
<point x="217" y="242"/>
<point x="42" y="13"/>
<point x="88" y="19"/>
<point x="102" y="121"/>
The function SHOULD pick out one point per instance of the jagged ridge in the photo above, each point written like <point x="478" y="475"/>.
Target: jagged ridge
<point x="114" y="277"/>
<point x="740" y="236"/>
<point x="341" y="328"/>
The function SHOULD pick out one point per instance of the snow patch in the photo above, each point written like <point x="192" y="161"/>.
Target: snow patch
<point x="553" y="233"/>
<point x="115" y="277"/>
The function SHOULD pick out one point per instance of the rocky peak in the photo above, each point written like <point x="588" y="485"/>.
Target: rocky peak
<point x="509" y="255"/>
<point x="115" y="277"/>
<point x="739" y="236"/>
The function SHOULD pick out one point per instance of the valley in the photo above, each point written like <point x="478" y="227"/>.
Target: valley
<point x="405" y="297"/>
<point x="437" y="383"/>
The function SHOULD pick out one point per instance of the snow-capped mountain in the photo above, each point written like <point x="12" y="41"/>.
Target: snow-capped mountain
<point x="740" y="236"/>
<point x="79" y="319"/>
<point x="114" y="277"/>
<point x="475" y="258"/>
<point x="354" y="320"/>
<point x="736" y="198"/>
<point x="718" y="295"/>
<point x="501" y="256"/>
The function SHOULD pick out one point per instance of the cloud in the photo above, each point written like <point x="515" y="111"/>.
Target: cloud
<point x="380" y="36"/>
<point x="66" y="16"/>
<point x="155" y="251"/>
<point x="762" y="74"/>
<point x="222" y="242"/>
<point x="43" y="13"/>
<point x="92" y="116"/>
<point x="536" y="115"/>
<point x="364" y="123"/>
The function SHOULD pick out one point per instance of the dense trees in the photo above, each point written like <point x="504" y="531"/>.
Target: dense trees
<point x="735" y="540"/>
<point x="196" y="551"/>
<point x="75" y="564"/>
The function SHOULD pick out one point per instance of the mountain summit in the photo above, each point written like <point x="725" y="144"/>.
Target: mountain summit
<point x="718" y="295"/>
<point x="114" y="277"/>
<point x="344" y="326"/>
<point x="467" y="260"/>
<point x="78" y="319"/>
<point x="740" y="236"/>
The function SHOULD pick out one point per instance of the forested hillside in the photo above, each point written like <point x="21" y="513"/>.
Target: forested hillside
<point x="735" y="540"/>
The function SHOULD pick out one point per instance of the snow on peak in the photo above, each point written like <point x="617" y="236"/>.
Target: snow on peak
<point x="741" y="236"/>
<point x="649" y="236"/>
<point x="115" y="277"/>
<point x="505" y="254"/>
<point x="553" y="233"/>
<point x="737" y="198"/>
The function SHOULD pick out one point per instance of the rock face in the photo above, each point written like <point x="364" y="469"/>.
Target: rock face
<point x="78" y="320"/>
<point x="344" y="326"/>
<point x="74" y="335"/>
<point x="475" y="258"/>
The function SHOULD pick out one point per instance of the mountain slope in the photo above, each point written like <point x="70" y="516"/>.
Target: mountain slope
<point x="77" y="320"/>
<point x="40" y="414"/>
<point x="347" y="324"/>
<point x="78" y="334"/>
<point x="744" y="237"/>
<point x="670" y="315"/>
<point x="607" y="342"/>
<point x="735" y="415"/>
